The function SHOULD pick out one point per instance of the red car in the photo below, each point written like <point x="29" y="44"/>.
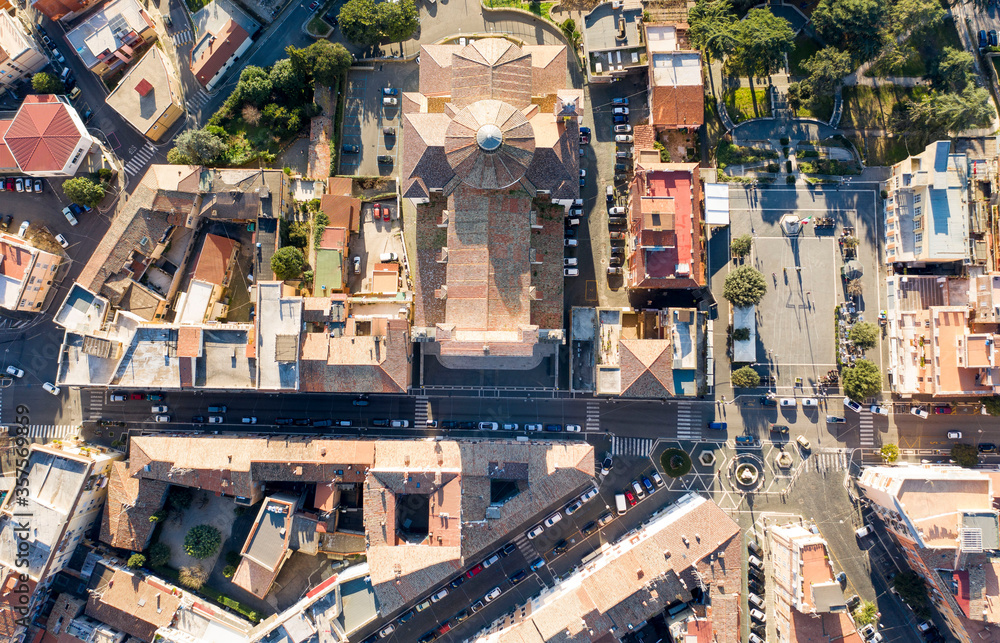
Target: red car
<point x="136" y="396"/>
<point x="475" y="570"/>
<point x="378" y="211"/>
<point x="630" y="498"/>
<point x="10" y="185"/>
<point x="386" y="212"/>
<point x="313" y="6"/>
<point x="943" y="410"/>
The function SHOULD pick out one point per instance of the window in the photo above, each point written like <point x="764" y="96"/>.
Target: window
<point x="918" y="238"/>
<point x="916" y="198"/>
<point x="916" y="211"/>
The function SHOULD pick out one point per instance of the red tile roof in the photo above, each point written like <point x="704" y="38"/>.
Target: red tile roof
<point x="127" y="510"/>
<point x="6" y="158"/>
<point x="188" y="341"/>
<point x="56" y="9"/>
<point x="214" y="259"/>
<point x="343" y="211"/>
<point x="219" y="52"/>
<point x="14" y="261"/>
<point x="144" y="87"/>
<point x="43" y="135"/>
<point x="333" y="238"/>
<point x="678" y="107"/>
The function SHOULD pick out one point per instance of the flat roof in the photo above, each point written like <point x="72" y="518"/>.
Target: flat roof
<point x="276" y="316"/>
<point x="146" y="91"/>
<point x="105" y="28"/>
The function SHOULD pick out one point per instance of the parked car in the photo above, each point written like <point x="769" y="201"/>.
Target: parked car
<point x="390" y="100"/>
<point x="386" y="257"/>
<point x="573" y="507"/>
<point x="587" y="495"/>
<point x="954" y="435"/>
<point x="789" y="402"/>
<point x="620" y="110"/>
<point x="488" y="426"/>
<point x="758" y="615"/>
<point x="385" y="159"/>
<point x="879" y="410"/>
<point x="390" y="91"/>
<point x="851" y="404"/>
<point x="767" y="401"/>
<point x="23" y="229"/>
<point x="399" y="424"/>
<point x="570" y="243"/>
<point x="746" y="441"/>
<point x="991" y="37"/>
<point x="389" y="131"/>
<point x="69" y="216"/>
<point x="619" y="101"/>
<point x="615" y="270"/>
<point x="7" y="220"/>
<point x="441" y="594"/>
<point x="493" y="593"/>
<point x="534" y="532"/>
<point x="943" y="410"/>
<point x="983" y="42"/>
<point x="19" y="184"/>
<point x="835" y="419"/>
<point x="215" y="419"/>
<point x="62" y="241"/>
<point x="162" y="418"/>
<point x="779" y="428"/>
<point x="919" y="412"/>
<point x="553" y="519"/>
<point x="38" y="185"/>
<point x="803" y="442"/>
<point x="754" y="548"/>
<point x="560" y="547"/>
<point x="619" y="119"/>
<point x="623" y="138"/>
<point x="987" y="447"/>
<point x="810" y="402"/>
<point x="719" y="426"/>
<point x="623" y="129"/>
<point x="352" y="149"/>
<point x="16" y="372"/>
<point x="574" y="428"/>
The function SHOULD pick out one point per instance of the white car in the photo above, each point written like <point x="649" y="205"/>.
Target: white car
<point x="390" y="100"/>
<point x="532" y="427"/>
<point x="250" y="420"/>
<point x="583" y="174"/>
<point x="386" y="631"/>
<point x="569" y="243"/>
<point x="758" y="616"/>
<point x="572" y="221"/>
<point x="620" y="110"/>
<point x="623" y="138"/>
<point x="788" y="401"/>
<point x="488" y="426"/>
<point x="492" y="594"/>
<point x="215" y="419"/>
<point x="553" y="519"/>
<point x="623" y="129"/>
<point x="657" y="479"/>
<point x="534" y="532"/>
<point x="851" y="404"/>
<point x="357" y="264"/>
<point x="616" y="211"/>
<point x="51" y="388"/>
<point x="803" y="442"/>
<point x="879" y="410"/>
<point x="587" y="495"/>
<point x="439" y="595"/>
<point x="69" y="216"/>
<point x="23" y="229"/>
<point x="810" y="401"/>
<point x="62" y="241"/>
<point x="573" y="507"/>
<point x="920" y="413"/>
<point x="399" y="424"/>
<point x="510" y="427"/>
<point x="954" y="435"/>
<point x="16" y="372"/>
<point x="573" y="428"/>
<point x="571" y="272"/>
<point x="159" y="409"/>
<point x="569" y="261"/>
<point x="162" y="418"/>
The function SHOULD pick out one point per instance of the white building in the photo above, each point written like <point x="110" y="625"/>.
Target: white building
<point x="20" y="55"/>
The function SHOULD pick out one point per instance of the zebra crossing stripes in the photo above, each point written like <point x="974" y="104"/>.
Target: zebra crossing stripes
<point x="593" y="422"/>
<point x="824" y="461"/>
<point x="688" y="422"/>
<point x="631" y="446"/>
<point x="182" y="37"/>
<point x="139" y="160"/>
<point x="420" y="411"/>
<point x="95" y="407"/>
<point x="197" y="100"/>
<point x="52" y="431"/>
<point x="524" y="545"/>
<point x="867" y="429"/>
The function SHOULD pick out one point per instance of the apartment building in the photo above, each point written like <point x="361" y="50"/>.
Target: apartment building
<point x="20" y="55"/>
<point x="110" y="37"/>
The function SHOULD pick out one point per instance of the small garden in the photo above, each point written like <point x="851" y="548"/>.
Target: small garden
<point x="730" y="154"/>
<point x="740" y="103"/>
<point x="828" y="166"/>
<point x="540" y="9"/>
<point x="675" y="463"/>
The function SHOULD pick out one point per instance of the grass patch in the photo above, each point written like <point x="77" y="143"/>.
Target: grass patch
<point x="828" y="166"/>
<point x="926" y="45"/>
<point x="729" y="154"/>
<point x="996" y="65"/>
<point x="873" y="106"/>
<point x="805" y="47"/>
<point x="879" y="150"/>
<point x="338" y="125"/>
<point x="319" y="27"/>
<point x="676" y="463"/>
<point x="739" y="103"/>
<point x="196" y="5"/>
<point x="713" y="124"/>
<point x="821" y="111"/>
<point x="540" y="9"/>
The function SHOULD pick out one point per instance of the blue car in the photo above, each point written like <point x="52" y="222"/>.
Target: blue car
<point x="390" y="91"/>
<point x="553" y="427"/>
<point x="745" y="440"/>
<point x="721" y="426"/>
<point x="586" y="130"/>
<point x="620" y="119"/>
<point x="619" y="101"/>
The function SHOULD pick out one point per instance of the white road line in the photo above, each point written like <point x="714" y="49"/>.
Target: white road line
<point x="593" y="422"/>
<point x="52" y="431"/>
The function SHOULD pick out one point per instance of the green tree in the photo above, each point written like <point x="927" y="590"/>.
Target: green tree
<point x="159" y="554"/>
<point x="965" y="455"/>
<point x="176" y="157"/>
<point x="740" y="246"/>
<point x="202" y="541"/>
<point x="359" y="22"/>
<point x="254" y="87"/>
<point x="287" y="81"/>
<point x="398" y="20"/>
<point x="744" y="286"/>
<point x="940" y="113"/>
<point x="916" y="15"/>
<point x="865" y="613"/>
<point x="84" y="191"/>
<point x="864" y="334"/>
<point x="287" y="262"/>
<point x="827" y="67"/>
<point x="200" y="145"/>
<point x="298" y="234"/>
<point x="746" y="377"/>
<point x="44" y="83"/>
<point x="862" y="380"/>
<point x="889" y="452"/>
<point x="762" y="41"/>
<point x="329" y="61"/>
<point x="912" y="590"/>
<point x="855" y="25"/>
<point x="952" y="70"/>
<point x="568" y="27"/>
<point x="228" y="571"/>
<point x="741" y="334"/>
<point x="180" y="498"/>
<point x="992" y="405"/>
<point x="136" y="560"/>
<point x="713" y="28"/>
<point x="232" y="558"/>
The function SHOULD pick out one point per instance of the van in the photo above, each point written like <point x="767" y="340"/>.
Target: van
<point x="756" y="562"/>
<point x="864" y="531"/>
<point x="73" y="95"/>
<point x="217" y="409"/>
<point x="620" y="503"/>
<point x="756" y="601"/>
<point x="64" y="74"/>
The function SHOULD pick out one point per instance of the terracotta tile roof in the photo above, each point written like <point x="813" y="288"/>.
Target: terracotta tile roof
<point x="42" y="136"/>
<point x="132" y="605"/>
<point x="56" y="9"/>
<point x="214" y="258"/>
<point x="10" y="594"/>
<point x="333" y="239"/>
<point x="14" y="260"/>
<point x="644" y="136"/>
<point x="7" y="161"/>
<point x="678" y="107"/>
<point x="65" y="608"/>
<point x="357" y="364"/>
<point x="254" y="578"/>
<point x="339" y="185"/>
<point x="213" y="55"/>
<point x="646" y="367"/>
<point x="189" y="341"/>
<point x="130" y="503"/>
<point x="343" y="211"/>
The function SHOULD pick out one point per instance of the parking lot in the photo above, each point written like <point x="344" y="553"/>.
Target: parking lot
<point x="377" y="237"/>
<point x="43" y="211"/>
<point x="365" y="116"/>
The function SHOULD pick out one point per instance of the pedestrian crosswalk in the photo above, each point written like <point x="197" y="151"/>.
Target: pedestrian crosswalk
<point x="688" y="421"/>
<point x="823" y="462"/>
<point x="139" y="159"/>
<point x="420" y="411"/>
<point x="593" y="422"/>
<point x="95" y="406"/>
<point x="52" y="431"/>
<point x="197" y="100"/>
<point x="631" y="446"/>
<point x="867" y="428"/>
<point x="182" y="37"/>
<point x="524" y="545"/>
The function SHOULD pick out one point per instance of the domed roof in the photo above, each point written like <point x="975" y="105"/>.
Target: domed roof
<point x="489" y="144"/>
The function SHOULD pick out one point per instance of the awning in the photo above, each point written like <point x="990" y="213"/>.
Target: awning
<point x="717" y="204"/>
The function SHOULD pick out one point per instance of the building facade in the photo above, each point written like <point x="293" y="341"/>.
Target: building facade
<point x="109" y="38"/>
<point x="20" y="55"/>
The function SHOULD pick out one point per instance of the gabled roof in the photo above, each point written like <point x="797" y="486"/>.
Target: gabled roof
<point x="213" y="261"/>
<point x="42" y="136"/>
<point x="646" y="367"/>
<point x="215" y="50"/>
<point x="132" y="604"/>
<point x="126" y="523"/>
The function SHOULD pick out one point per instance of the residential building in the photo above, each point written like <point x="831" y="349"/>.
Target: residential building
<point x="64" y="10"/>
<point x="804" y="582"/>
<point x="927" y="209"/>
<point x="45" y="138"/>
<point x="68" y="624"/>
<point x="638" y="353"/>
<point x="945" y="521"/>
<point x="664" y="224"/>
<point x="66" y="486"/>
<point x="223" y="34"/>
<point x="491" y="161"/>
<point x="278" y="531"/>
<point x="613" y="41"/>
<point x="110" y="37"/>
<point x="686" y="555"/>
<point x="427" y="507"/>
<point x="943" y="334"/>
<point x="148" y="97"/>
<point x="676" y="88"/>
<point x="26" y="274"/>
<point x="276" y="345"/>
<point x="20" y="55"/>
<point x="212" y="274"/>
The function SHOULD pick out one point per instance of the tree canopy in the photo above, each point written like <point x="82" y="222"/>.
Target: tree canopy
<point x="889" y="453"/>
<point x="44" y="83"/>
<point x="746" y="377"/>
<point x="965" y="455"/>
<point x="992" y="405"/>
<point x="713" y="28"/>
<point x="762" y="40"/>
<point x="854" y="25"/>
<point x="200" y="145"/>
<point x="83" y="191"/>
<point x="864" y="334"/>
<point x="202" y="541"/>
<point x="952" y="70"/>
<point x="398" y="20"/>
<point x="916" y="15"/>
<point x="862" y="380"/>
<point x="366" y="23"/>
<point x="287" y="262"/>
<point x="745" y="286"/>
<point x="740" y="246"/>
<point x="329" y="60"/>
<point x="827" y="67"/>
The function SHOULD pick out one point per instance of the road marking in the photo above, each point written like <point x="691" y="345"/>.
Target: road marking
<point x="195" y="101"/>
<point x="52" y="431"/>
<point x="96" y="406"/>
<point x="867" y="429"/>
<point x="524" y="545"/>
<point x="593" y="422"/>
<point x="590" y="291"/>
<point x="689" y="421"/>
<point x="140" y="159"/>
<point x="181" y="37"/>
<point x="631" y="446"/>
<point x="421" y="411"/>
